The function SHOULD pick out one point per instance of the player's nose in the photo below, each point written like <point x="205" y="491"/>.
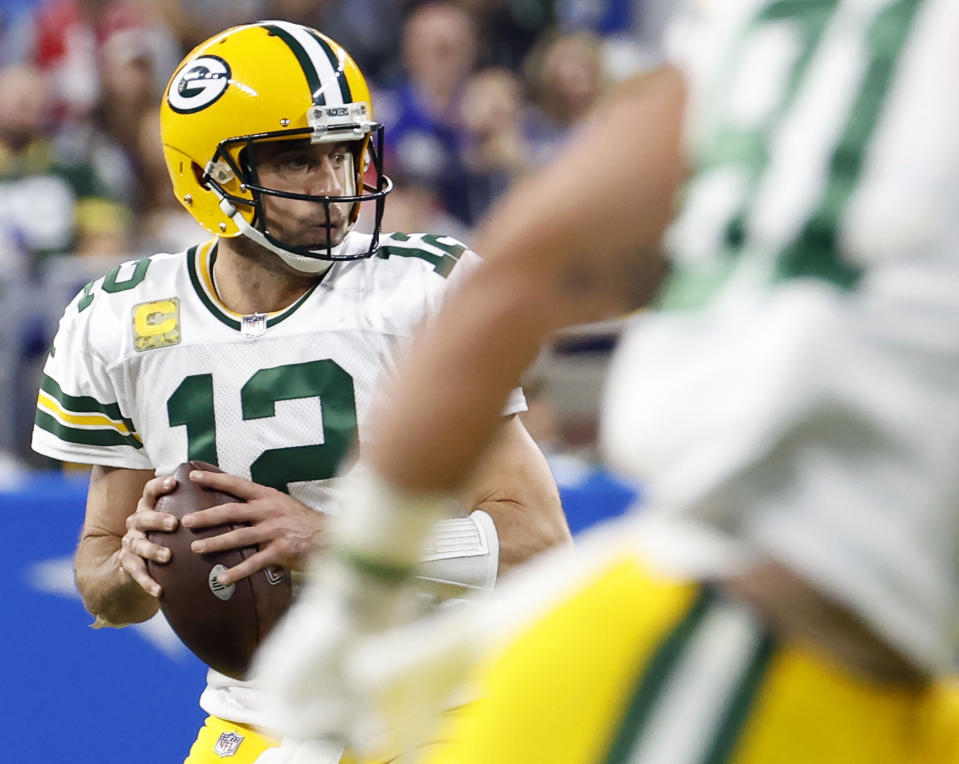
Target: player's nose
<point x="324" y="180"/>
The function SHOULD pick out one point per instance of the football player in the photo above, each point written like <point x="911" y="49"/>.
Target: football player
<point x="792" y="592"/>
<point x="261" y="350"/>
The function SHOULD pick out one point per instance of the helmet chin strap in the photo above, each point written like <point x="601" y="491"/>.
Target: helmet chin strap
<point x="311" y="265"/>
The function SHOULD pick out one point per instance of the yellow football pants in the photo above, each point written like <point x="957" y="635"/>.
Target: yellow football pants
<point x="632" y="667"/>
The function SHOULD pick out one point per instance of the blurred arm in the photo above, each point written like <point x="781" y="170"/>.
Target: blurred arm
<point x="567" y="245"/>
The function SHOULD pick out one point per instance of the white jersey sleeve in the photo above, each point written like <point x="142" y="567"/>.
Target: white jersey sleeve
<point x="81" y="416"/>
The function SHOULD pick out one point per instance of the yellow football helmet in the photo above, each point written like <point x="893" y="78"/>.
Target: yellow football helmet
<point x="268" y="81"/>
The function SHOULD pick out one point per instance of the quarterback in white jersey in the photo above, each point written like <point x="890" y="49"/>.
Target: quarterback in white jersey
<point x="789" y="405"/>
<point x="149" y="368"/>
<point x="262" y="351"/>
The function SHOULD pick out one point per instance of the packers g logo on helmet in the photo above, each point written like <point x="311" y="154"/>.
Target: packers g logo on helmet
<point x="198" y="85"/>
<point x="256" y="84"/>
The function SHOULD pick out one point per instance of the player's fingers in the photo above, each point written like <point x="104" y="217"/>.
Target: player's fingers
<point x="232" y="484"/>
<point x="157" y="487"/>
<point x="136" y="568"/>
<point x="234" y="539"/>
<point x="144" y="549"/>
<point x="148" y="520"/>
<point x="248" y="567"/>
<point x="231" y="512"/>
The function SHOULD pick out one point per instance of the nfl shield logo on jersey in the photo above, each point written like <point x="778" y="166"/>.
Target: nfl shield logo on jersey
<point x="227" y="744"/>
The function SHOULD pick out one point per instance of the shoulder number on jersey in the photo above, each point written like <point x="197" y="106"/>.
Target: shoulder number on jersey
<point x="442" y="255"/>
<point x="125" y="276"/>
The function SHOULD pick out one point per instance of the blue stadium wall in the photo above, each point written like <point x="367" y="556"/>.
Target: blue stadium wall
<point x="114" y="696"/>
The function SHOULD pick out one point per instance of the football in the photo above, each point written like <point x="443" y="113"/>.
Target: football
<point x="222" y="625"/>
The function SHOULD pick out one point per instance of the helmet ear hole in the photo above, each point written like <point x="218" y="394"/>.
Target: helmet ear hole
<point x="198" y="173"/>
<point x="245" y="159"/>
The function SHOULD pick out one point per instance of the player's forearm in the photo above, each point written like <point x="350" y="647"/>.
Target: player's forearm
<point x="561" y="248"/>
<point x="514" y="485"/>
<point x="429" y="443"/>
<point x="525" y="531"/>
<point x="108" y="592"/>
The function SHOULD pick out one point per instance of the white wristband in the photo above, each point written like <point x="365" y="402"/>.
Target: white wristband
<point x="463" y="553"/>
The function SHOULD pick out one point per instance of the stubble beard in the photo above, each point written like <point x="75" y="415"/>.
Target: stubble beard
<point x="269" y="261"/>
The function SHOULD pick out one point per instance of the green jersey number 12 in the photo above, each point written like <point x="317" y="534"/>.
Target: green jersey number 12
<point x="191" y="406"/>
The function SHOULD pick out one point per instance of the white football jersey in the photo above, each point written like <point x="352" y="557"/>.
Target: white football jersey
<point x="796" y="390"/>
<point x="149" y="369"/>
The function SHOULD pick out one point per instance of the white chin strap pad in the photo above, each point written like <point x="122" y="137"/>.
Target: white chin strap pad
<point x="463" y="553"/>
<point x="312" y="265"/>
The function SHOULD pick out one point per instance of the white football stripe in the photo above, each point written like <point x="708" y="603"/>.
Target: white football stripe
<point x="685" y="718"/>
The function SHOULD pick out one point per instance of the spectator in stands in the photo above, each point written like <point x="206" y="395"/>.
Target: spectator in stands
<point x="416" y="205"/>
<point x="604" y="17"/>
<point x="510" y="28"/>
<point x="192" y="21"/>
<point x="130" y="70"/>
<point x="495" y="149"/>
<point x="163" y="225"/>
<point x="565" y="77"/>
<point x="66" y="37"/>
<point x="374" y="46"/>
<point x="15" y="22"/>
<point x="421" y="113"/>
<point x="49" y="203"/>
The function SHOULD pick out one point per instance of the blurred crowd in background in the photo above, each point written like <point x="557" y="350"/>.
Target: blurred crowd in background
<point x="473" y="94"/>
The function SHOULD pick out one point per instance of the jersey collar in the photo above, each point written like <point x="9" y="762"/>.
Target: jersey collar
<point x="200" y="260"/>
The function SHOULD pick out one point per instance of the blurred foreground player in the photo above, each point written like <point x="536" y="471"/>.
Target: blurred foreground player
<point x="260" y="351"/>
<point x="792" y="593"/>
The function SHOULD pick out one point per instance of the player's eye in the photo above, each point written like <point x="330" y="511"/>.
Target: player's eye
<point x="297" y="162"/>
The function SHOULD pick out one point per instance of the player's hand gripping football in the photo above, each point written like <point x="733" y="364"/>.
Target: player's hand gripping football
<point x="135" y="547"/>
<point x="286" y="531"/>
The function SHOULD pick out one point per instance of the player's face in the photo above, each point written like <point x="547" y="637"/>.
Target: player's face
<point x="321" y="169"/>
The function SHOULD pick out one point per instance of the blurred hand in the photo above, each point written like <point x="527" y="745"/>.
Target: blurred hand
<point x="351" y="666"/>
<point x="321" y="669"/>
<point x="306" y="666"/>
